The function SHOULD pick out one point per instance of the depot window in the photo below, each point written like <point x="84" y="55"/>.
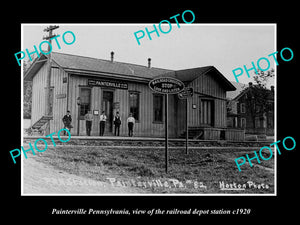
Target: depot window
<point x="243" y="108"/>
<point x="134" y="102"/>
<point x="158" y="108"/>
<point x="85" y="101"/>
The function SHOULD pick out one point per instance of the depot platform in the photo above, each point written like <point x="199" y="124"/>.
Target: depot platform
<point x="146" y="142"/>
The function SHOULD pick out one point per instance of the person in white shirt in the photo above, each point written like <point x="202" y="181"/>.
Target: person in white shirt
<point x="102" y="123"/>
<point x="130" y="122"/>
<point x="88" y="124"/>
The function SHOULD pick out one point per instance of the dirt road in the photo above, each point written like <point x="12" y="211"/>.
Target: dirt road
<point x="40" y="178"/>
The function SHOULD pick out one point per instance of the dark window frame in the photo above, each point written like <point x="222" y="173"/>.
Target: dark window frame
<point x="242" y="107"/>
<point x="135" y="115"/>
<point x="155" y="120"/>
<point x="86" y="109"/>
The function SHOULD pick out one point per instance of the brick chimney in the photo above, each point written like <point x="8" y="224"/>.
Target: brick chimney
<point x="149" y="62"/>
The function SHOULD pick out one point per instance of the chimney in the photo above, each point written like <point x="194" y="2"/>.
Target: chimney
<point x="112" y="56"/>
<point x="272" y="88"/>
<point x="149" y="62"/>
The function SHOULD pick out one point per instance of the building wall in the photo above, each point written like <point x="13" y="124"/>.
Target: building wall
<point x="257" y="124"/>
<point x="38" y="94"/>
<point x="206" y="85"/>
<point x="144" y="127"/>
<point x="65" y="96"/>
<point x="59" y="98"/>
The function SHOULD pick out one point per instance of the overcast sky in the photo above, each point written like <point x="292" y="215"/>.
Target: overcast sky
<point x="225" y="46"/>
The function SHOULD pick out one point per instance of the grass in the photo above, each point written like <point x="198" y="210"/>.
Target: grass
<point x="147" y="168"/>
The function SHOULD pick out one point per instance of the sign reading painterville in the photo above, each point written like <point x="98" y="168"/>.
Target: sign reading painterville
<point x="166" y="85"/>
<point x="107" y="83"/>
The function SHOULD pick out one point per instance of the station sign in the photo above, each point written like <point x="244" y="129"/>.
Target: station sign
<point x="166" y="85"/>
<point x="185" y="93"/>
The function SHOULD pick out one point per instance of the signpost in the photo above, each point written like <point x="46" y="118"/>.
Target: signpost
<point x="187" y="92"/>
<point x="166" y="86"/>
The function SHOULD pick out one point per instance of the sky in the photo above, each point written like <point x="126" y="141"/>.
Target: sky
<point x="224" y="46"/>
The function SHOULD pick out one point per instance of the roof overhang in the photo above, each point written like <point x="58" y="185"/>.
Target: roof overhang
<point x="226" y="83"/>
<point x="35" y="67"/>
<point x="188" y="75"/>
<point x="107" y="75"/>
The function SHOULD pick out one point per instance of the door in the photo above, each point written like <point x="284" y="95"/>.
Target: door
<point x="107" y="106"/>
<point x="207" y="112"/>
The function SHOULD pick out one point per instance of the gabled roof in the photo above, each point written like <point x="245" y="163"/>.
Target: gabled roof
<point x="82" y="65"/>
<point x="269" y="93"/>
<point x="189" y="75"/>
<point x="73" y="63"/>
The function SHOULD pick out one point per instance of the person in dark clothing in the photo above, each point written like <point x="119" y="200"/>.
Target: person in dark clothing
<point x="117" y="123"/>
<point x="67" y="119"/>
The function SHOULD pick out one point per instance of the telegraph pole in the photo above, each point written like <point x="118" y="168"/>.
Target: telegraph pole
<point x="48" y="78"/>
<point x="187" y="126"/>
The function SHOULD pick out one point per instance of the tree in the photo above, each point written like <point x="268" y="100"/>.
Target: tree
<point x="258" y="97"/>
<point x="261" y="78"/>
<point x="27" y="93"/>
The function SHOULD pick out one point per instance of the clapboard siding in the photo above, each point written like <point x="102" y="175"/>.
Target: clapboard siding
<point x="203" y="85"/>
<point x="235" y="134"/>
<point x="38" y="94"/>
<point x="143" y="127"/>
<point x="205" y="88"/>
<point x="74" y="83"/>
<point x="59" y="103"/>
<point x="207" y="85"/>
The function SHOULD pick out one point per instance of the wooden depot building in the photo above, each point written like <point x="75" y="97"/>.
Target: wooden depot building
<point x="81" y="84"/>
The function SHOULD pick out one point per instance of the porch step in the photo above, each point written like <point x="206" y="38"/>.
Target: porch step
<point x="194" y="133"/>
<point x="35" y="129"/>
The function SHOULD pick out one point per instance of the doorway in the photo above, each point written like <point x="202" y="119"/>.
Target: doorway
<point x="207" y="112"/>
<point x="107" y="107"/>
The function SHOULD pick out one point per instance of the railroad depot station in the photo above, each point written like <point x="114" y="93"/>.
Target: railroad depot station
<point x="81" y="84"/>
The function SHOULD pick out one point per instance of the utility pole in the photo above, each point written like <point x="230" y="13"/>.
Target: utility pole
<point x="187" y="126"/>
<point x="48" y="111"/>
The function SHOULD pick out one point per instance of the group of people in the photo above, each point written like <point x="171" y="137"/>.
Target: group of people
<point x="67" y="119"/>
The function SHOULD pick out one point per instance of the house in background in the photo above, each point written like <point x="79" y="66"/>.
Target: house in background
<point x="233" y="118"/>
<point x="246" y="111"/>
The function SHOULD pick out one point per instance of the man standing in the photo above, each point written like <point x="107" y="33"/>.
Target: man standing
<point x="130" y="122"/>
<point x="88" y="122"/>
<point x="67" y="119"/>
<point x="102" y="123"/>
<point x="117" y="123"/>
